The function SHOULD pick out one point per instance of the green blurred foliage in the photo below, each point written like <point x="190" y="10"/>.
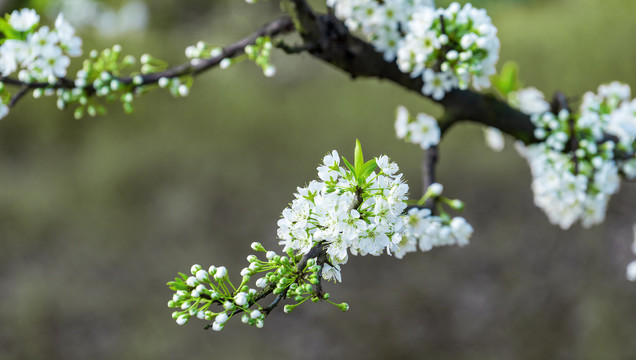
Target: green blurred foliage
<point x="97" y="214"/>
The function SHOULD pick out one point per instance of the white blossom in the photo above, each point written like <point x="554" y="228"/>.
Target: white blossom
<point x="24" y="19"/>
<point x="412" y="34"/>
<point x="494" y="138"/>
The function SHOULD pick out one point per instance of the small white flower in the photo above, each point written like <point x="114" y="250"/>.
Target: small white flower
<point x="269" y="71"/>
<point x="225" y="63"/>
<point x="387" y="167"/>
<point x="401" y="122"/>
<point x="494" y="138"/>
<point x="437" y="84"/>
<point x="462" y="230"/>
<point x="331" y="273"/>
<point x="424" y="131"/>
<point x="24" y="19"/>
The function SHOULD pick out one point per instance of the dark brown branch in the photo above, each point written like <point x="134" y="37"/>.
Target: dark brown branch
<point x="274" y="303"/>
<point x="431" y="156"/>
<point x="18" y="95"/>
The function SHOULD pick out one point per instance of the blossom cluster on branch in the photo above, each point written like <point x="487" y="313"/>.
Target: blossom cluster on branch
<point x="283" y="276"/>
<point x="577" y="166"/>
<point x="355" y="208"/>
<point x="449" y="48"/>
<point x="41" y="56"/>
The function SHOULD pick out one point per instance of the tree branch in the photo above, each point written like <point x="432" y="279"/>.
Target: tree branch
<point x="194" y="67"/>
<point x="318" y="251"/>
<point x="429" y="162"/>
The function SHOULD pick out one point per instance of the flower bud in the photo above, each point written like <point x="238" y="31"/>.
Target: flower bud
<point x="182" y="319"/>
<point x="192" y="281"/>
<point x="221" y="272"/>
<point x="163" y="82"/>
<point x="255" y="314"/>
<point x="435" y="189"/>
<point x="456" y="204"/>
<point x="221" y="318"/>
<point x="201" y="275"/>
<point x="261" y="283"/>
<point x="240" y="299"/>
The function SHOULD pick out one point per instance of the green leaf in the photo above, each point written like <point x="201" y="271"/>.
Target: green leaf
<point x="348" y="164"/>
<point x="367" y="169"/>
<point x="508" y="79"/>
<point x="178" y="284"/>
<point x="359" y="158"/>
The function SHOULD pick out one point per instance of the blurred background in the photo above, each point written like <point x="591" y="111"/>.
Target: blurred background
<point x="96" y="215"/>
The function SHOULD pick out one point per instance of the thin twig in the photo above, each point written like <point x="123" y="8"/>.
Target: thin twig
<point x="290" y="50"/>
<point x="18" y="95"/>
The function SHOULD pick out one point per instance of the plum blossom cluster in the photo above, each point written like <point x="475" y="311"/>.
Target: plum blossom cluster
<point x="355" y="210"/>
<point x="37" y="55"/>
<point x="421" y="130"/>
<point x="577" y="166"/>
<point x="351" y="209"/>
<point x="210" y="294"/>
<point x="424" y="230"/>
<point x="449" y="48"/>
